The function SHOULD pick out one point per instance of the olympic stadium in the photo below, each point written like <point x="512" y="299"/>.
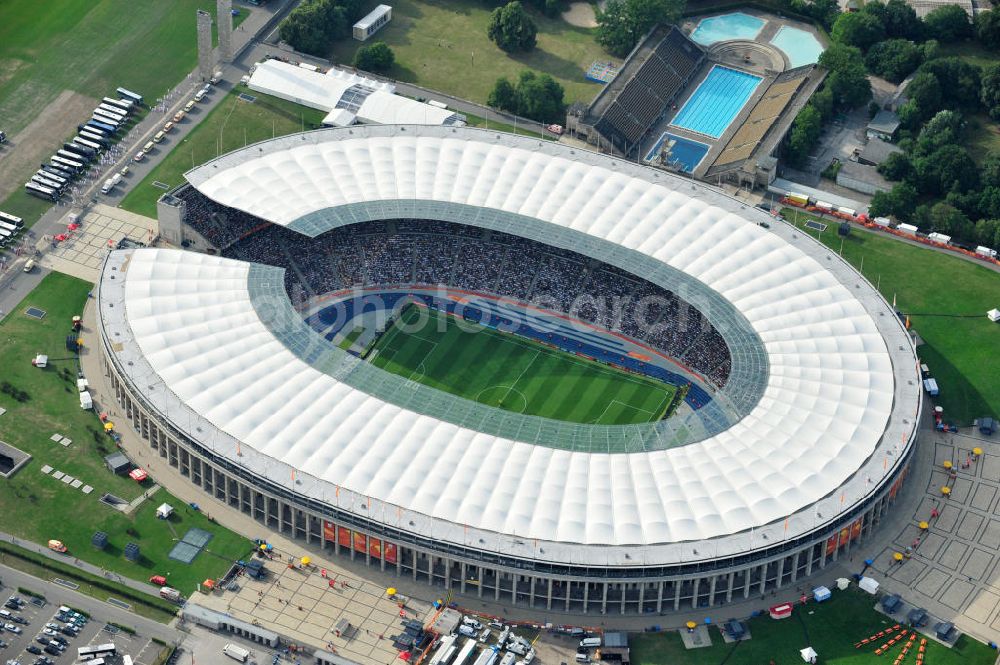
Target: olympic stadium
<point x="741" y="406"/>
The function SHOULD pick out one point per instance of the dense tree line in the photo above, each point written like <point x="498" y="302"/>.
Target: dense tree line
<point x="535" y="96"/>
<point x="314" y="25"/>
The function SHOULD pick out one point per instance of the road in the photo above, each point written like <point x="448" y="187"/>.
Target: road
<point x="57" y="595"/>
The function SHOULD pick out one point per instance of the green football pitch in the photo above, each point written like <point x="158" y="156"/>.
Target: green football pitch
<point x="513" y="373"/>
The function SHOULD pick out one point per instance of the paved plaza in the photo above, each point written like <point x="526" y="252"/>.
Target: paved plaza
<point x="302" y="604"/>
<point x="83" y="250"/>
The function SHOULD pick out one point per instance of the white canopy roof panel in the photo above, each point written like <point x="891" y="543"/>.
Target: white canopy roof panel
<point x="820" y="439"/>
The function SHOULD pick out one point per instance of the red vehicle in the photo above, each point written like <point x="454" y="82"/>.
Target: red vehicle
<point x="158" y="580"/>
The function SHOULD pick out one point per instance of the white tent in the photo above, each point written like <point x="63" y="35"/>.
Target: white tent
<point x="993" y="315"/>
<point x="86" y="402"/>
<point x="40" y="360"/>
<point x="821" y="593"/>
<point x="843" y="583"/>
<point x="163" y="512"/>
<point x="809" y="655"/>
<point x="81" y="384"/>
<point x="869" y="585"/>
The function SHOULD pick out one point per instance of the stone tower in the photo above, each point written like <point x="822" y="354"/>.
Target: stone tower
<point x="206" y="59"/>
<point x="224" y="16"/>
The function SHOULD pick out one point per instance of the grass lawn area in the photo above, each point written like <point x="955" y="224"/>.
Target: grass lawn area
<point x="515" y="373"/>
<point x="831" y="628"/>
<point x="38" y="507"/>
<point x="442" y="45"/>
<point x="92" y="48"/>
<point x="89" y="48"/>
<point x="972" y="52"/>
<point x="476" y="121"/>
<point x="947" y="299"/>
<point x="237" y="123"/>
<point x="982" y="136"/>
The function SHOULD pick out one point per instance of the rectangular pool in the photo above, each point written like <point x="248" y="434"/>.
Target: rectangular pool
<point x="685" y="153"/>
<point x="719" y="98"/>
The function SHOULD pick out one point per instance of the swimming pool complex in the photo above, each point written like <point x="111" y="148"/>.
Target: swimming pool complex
<point x="718" y="99"/>
<point x="685" y="153"/>
<point x="727" y="26"/>
<point x="801" y="47"/>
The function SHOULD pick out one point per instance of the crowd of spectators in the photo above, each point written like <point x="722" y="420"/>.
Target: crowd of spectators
<point x="432" y="253"/>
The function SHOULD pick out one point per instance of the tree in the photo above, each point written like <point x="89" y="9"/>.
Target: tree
<point x="805" y="133"/>
<point x="894" y="59"/>
<point x="622" y="23"/>
<point x="314" y="25"/>
<point x="988" y="28"/>
<point x="963" y="81"/>
<point x="824" y="11"/>
<point x="990" y="93"/>
<point x="948" y="23"/>
<point x="946" y="169"/>
<point x="991" y="167"/>
<point x="511" y="28"/>
<point x="900" y="201"/>
<point x="848" y="79"/>
<point x="535" y="96"/>
<point x="945" y="128"/>
<point x="988" y="232"/>
<point x="376" y="57"/>
<point x="861" y="29"/>
<point x="950" y="221"/>
<point x="896" y="166"/>
<point x="901" y="21"/>
<point x="503" y="96"/>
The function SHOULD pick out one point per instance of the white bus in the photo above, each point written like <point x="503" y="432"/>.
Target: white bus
<point x="78" y="160"/>
<point x="93" y="136"/>
<point x="106" y="118"/>
<point x="96" y="651"/>
<point x="125" y="93"/>
<point x="45" y="182"/>
<point x="466" y="651"/>
<point x="41" y="191"/>
<point x="62" y="162"/>
<point x="61" y="179"/>
<point x="88" y="143"/>
<point x="447" y="642"/>
<point x="113" y="111"/>
<point x="120" y="103"/>
<point x="11" y="219"/>
<point x="6" y="235"/>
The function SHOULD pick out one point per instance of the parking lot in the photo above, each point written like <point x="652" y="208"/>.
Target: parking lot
<point x="32" y="621"/>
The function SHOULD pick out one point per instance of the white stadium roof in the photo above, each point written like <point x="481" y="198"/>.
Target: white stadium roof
<point x="836" y="414"/>
<point x="324" y="91"/>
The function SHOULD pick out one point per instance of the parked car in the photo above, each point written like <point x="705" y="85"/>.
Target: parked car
<point x="179" y="116"/>
<point x="19" y="619"/>
<point x="33" y="649"/>
<point x="139" y="156"/>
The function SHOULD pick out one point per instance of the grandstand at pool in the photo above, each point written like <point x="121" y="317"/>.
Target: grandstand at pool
<point x="801" y="47"/>
<point x="717" y="101"/>
<point x="685" y="153"/>
<point x="727" y="26"/>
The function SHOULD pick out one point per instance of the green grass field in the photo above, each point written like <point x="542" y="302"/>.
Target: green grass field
<point x="947" y="299"/>
<point x="89" y="48"/>
<point x="230" y="125"/>
<point x="831" y="628"/>
<point x="38" y="507"/>
<point x="442" y="45"/>
<point x="514" y="373"/>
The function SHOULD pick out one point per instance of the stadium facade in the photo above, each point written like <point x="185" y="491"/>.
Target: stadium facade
<point x="221" y="377"/>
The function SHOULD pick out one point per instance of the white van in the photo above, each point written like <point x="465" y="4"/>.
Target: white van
<point x="588" y="642"/>
<point x="582" y="658"/>
<point x="29" y="266"/>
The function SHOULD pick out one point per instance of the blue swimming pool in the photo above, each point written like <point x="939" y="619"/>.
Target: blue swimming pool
<point x="801" y="47"/>
<point x="727" y="26"/>
<point x="685" y="153"/>
<point x="717" y="101"/>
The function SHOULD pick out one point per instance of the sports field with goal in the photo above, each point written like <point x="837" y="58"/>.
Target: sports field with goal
<point x="514" y="373"/>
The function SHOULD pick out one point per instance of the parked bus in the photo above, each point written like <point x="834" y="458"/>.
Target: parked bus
<point x="118" y="103"/>
<point x="58" y="179"/>
<point x="466" y="651"/>
<point x="87" y="143"/>
<point x="86" y="154"/>
<point x="41" y="191"/>
<point x="127" y="94"/>
<point x="96" y="651"/>
<point x="107" y="118"/>
<point x="55" y="170"/>
<point x="101" y="113"/>
<point x="63" y="162"/>
<point x="77" y="160"/>
<point x="113" y="110"/>
<point x="45" y="182"/>
<point x="96" y="127"/>
<point x="445" y="648"/>
<point x="11" y="219"/>
<point x="7" y="232"/>
<point x="96" y="138"/>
